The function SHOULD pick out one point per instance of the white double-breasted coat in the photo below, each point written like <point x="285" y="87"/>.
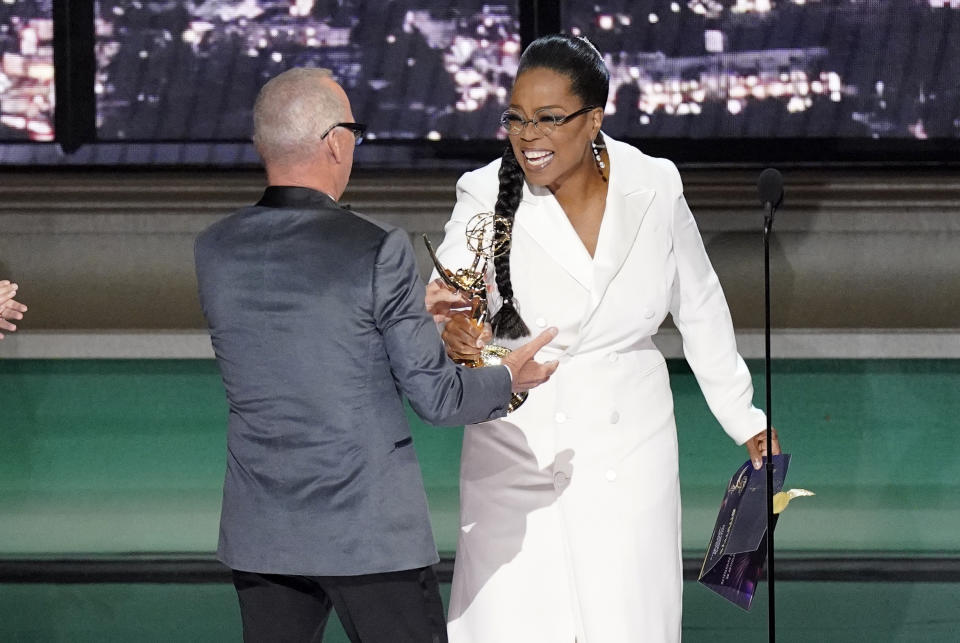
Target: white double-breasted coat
<point x="570" y="506"/>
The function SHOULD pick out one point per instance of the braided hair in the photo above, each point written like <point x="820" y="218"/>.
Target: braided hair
<point x="577" y="59"/>
<point x="507" y="321"/>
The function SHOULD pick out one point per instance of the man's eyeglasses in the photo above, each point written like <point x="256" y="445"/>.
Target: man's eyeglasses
<point x="544" y="120"/>
<point x="358" y="129"/>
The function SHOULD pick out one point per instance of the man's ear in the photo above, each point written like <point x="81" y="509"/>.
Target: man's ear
<point x="333" y="144"/>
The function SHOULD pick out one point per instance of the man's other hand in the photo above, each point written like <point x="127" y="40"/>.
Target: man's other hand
<point x="440" y="300"/>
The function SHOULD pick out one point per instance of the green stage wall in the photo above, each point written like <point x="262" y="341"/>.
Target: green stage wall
<point x="118" y="456"/>
<point x="107" y="457"/>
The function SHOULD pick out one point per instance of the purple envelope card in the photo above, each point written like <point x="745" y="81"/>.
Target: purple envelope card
<point x="738" y="548"/>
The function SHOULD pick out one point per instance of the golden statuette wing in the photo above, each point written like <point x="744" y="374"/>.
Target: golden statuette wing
<point x="782" y="499"/>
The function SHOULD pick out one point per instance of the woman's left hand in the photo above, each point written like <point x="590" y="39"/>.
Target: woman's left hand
<point x="757" y="447"/>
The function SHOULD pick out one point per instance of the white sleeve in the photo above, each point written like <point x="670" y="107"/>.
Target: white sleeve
<point x="476" y="193"/>
<point x="700" y="312"/>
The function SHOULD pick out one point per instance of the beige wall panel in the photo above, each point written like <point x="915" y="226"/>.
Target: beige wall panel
<point x="852" y="248"/>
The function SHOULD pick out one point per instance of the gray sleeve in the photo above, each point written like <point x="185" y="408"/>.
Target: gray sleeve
<point x="440" y="391"/>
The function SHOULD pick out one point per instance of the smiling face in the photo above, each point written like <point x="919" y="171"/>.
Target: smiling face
<point x="550" y="160"/>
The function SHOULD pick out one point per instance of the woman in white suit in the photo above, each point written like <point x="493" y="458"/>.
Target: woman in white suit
<point x="570" y="506"/>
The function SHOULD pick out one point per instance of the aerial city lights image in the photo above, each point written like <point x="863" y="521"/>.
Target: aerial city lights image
<point x="190" y="70"/>
<point x="780" y="68"/>
<point x="26" y="70"/>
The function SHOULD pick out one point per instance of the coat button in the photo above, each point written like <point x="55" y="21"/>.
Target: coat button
<point x="613" y="356"/>
<point x="560" y="417"/>
<point x="614" y="417"/>
<point x="611" y="475"/>
<point x="648" y="313"/>
<point x="560" y="480"/>
<point x="541" y="322"/>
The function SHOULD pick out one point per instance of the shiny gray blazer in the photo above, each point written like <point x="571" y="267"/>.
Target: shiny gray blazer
<point x="317" y="320"/>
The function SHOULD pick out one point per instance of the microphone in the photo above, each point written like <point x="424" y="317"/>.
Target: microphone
<point x="770" y="187"/>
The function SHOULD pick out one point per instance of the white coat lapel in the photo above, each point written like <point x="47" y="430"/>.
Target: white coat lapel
<point x="626" y="207"/>
<point x="543" y="220"/>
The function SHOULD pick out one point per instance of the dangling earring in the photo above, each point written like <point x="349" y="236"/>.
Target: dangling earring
<point x="597" y="151"/>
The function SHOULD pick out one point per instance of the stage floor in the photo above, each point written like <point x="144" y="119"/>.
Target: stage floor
<point x="807" y="612"/>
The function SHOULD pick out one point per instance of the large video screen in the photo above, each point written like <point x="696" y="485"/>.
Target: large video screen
<point x="190" y="70"/>
<point x="26" y="70"/>
<point x="867" y="69"/>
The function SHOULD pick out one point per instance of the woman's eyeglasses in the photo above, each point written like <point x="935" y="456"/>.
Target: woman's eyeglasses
<point x="544" y="121"/>
<point x="358" y="129"/>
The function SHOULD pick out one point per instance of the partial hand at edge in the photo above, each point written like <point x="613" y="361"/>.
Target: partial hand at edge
<point x="9" y="307"/>
<point x="527" y="373"/>
<point x="757" y="447"/>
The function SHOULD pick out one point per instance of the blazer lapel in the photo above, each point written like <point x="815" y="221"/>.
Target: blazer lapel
<point x="543" y="220"/>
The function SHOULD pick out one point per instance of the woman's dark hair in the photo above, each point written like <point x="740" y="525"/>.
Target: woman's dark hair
<point x="579" y="61"/>
<point x="574" y="57"/>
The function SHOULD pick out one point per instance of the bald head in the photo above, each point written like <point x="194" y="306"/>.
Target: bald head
<point x="293" y="110"/>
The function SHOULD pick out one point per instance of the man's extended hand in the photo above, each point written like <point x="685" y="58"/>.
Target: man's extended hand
<point x="527" y="373"/>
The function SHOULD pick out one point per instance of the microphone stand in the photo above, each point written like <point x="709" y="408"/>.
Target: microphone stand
<point x="771" y="606"/>
<point x="770" y="187"/>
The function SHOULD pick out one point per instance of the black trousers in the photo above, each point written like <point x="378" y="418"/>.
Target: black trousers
<point x="393" y="607"/>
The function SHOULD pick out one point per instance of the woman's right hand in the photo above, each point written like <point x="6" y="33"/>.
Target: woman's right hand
<point x="464" y="338"/>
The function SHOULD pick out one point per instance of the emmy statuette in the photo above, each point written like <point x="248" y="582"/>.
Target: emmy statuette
<point x="483" y="242"/>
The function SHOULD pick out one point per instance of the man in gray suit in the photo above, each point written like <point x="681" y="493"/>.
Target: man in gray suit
<point x="317" y="320"/>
